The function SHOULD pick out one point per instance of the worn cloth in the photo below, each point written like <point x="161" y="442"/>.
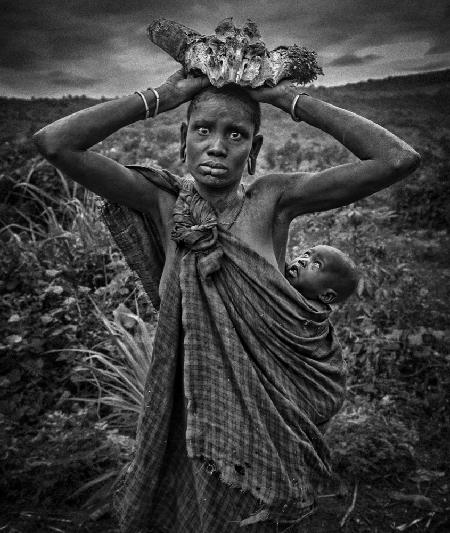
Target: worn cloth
<point x="259" y="369"/>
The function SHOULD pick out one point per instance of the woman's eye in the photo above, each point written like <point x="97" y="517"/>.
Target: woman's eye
<point x="235" y="135"/>
<point x="203" y="131"/>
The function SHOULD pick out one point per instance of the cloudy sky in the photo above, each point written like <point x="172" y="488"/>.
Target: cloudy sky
<point x="99" y="47"/>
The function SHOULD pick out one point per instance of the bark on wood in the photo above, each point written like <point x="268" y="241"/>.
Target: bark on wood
<point x="234" y="55"/>
<point x="172" y="37"/>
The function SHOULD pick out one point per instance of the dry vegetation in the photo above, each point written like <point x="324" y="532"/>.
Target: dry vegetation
<point x="76" y="331"/>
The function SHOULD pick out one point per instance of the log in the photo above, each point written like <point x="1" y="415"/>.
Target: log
<point x="172" y="37"/>
<point x="234" y="55"/>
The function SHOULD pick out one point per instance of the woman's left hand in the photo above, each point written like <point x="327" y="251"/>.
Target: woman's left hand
<point x="275" y="95"/>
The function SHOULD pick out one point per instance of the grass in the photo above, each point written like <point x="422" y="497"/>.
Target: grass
<point x="119" y="372"/>
<point x="78" y="331"/>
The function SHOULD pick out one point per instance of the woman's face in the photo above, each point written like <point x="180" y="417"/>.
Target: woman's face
<point x="219" y="138"/>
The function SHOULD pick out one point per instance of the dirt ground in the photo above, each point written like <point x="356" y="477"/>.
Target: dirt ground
<point x="380" y="507"/>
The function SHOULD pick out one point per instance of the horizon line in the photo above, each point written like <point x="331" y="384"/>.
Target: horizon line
<point x="308" y="86"/>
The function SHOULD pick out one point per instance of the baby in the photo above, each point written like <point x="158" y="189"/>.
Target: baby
<point x="323" y="273"/>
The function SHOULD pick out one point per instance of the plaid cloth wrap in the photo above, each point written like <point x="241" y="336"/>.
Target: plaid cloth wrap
<point x="262" y="366"/>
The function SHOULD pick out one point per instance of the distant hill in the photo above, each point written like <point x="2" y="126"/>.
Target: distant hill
<point x="393" y="101"/>
<point x="408" y="82"/>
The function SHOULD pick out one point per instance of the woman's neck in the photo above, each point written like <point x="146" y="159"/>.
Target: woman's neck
<point x="222" y="200"/>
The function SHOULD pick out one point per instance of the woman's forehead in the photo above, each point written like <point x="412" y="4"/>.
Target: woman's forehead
<point x="216" y="106"/>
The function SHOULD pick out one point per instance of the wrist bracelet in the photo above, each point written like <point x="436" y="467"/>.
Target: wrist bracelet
<point x="147" y="110"/>
<point x="155" y="92"/>
<point x="294" y="103"/>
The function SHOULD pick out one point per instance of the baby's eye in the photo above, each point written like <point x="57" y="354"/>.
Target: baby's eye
<point x="203" y="131"/>
<point x="235" y="135"/>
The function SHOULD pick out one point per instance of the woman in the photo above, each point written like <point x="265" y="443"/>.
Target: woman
<point x="245" y="371"/>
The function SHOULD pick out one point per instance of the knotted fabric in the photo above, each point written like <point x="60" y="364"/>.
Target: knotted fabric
<point x="195" y="228"/>
<point x="262" y="368"/>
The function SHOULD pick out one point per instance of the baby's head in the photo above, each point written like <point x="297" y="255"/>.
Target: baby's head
<point x="323" y="273"/>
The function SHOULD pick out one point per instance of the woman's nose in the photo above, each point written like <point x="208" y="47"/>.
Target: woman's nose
<point x="217" y="147"/>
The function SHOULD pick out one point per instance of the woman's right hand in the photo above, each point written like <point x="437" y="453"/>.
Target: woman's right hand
<point x="180" y="88"/>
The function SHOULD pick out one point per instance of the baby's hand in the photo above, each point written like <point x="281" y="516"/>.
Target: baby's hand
<point x="179" y="88"/>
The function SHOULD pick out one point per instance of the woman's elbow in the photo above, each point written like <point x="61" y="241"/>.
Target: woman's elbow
<point x="47" y="144"/>
<point x="405" y="162"/>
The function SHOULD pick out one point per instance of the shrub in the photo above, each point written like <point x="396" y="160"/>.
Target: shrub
<point x="120" y="369"/>
<point x="368" y="442"/>
<point x="423" y="200"/>
<point x="68" y="448"/>
<point x="166" y="135"/>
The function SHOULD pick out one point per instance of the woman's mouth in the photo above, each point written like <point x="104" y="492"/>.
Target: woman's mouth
<point x="215" y="169"/>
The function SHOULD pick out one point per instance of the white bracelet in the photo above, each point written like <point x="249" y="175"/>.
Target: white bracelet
<point x="294" y="103"/>
<point x="155" y="92"/>
<point x="147" y="110"/>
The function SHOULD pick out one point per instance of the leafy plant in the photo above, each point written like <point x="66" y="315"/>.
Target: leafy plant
<point x="68" y="450"/>
<point x="60" y="274"/>
<point x="119" y="371"/>
<point x="368" y="442"/>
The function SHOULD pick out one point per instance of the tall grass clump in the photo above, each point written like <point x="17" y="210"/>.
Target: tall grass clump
<point x="118" y="371"/>
<point x="57" y="258"/>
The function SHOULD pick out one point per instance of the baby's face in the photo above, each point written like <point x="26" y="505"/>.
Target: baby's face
<point x="312" y="272"/>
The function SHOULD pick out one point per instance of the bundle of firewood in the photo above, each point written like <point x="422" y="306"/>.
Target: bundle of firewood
<point x="234" y="55"/>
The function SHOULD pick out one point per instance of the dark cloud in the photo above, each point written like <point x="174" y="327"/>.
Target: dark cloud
<point x="358" y="24"/>
<point x="351" y="59"/>
<point x="11" y="58"/>
<point x="441" y="38"/>
<point x="441" y="43"/>
<point x="435" y="65"/>
<point x="439" y="48"/>
<point x="65" y="80"/>
<point x="97" y="39"/>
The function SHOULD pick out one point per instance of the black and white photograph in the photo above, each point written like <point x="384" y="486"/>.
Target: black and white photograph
<point x="224" y="266"/>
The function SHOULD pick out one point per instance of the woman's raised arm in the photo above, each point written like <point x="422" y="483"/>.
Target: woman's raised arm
<point x="66" y="142"/>
<point x="384" y="158"/>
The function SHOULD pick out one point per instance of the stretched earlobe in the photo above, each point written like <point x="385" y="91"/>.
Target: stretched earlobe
<point x="183" y="133"/>
<point x="251" y="165"/>
<point x="256" y="147"/>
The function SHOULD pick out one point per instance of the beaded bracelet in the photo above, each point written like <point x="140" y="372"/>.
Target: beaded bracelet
<point x="294" y="103"/>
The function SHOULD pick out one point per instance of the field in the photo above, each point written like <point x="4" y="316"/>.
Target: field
<point x="74" y="322"/>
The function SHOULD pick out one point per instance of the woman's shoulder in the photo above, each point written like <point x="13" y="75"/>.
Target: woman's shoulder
<point x="161" y="178"/>
<point x="264" y="187"/>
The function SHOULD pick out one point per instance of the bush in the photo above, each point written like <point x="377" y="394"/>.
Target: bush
<point x="119" y="371"/>
<point x="67" y="448"/>
<point x="166" y="135"/>
<point x="423" y="200"/>
<point x="368" y="442"/>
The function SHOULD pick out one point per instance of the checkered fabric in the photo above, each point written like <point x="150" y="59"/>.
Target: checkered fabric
<point x="190" y="497"/>
<point x="234" y="432"/>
